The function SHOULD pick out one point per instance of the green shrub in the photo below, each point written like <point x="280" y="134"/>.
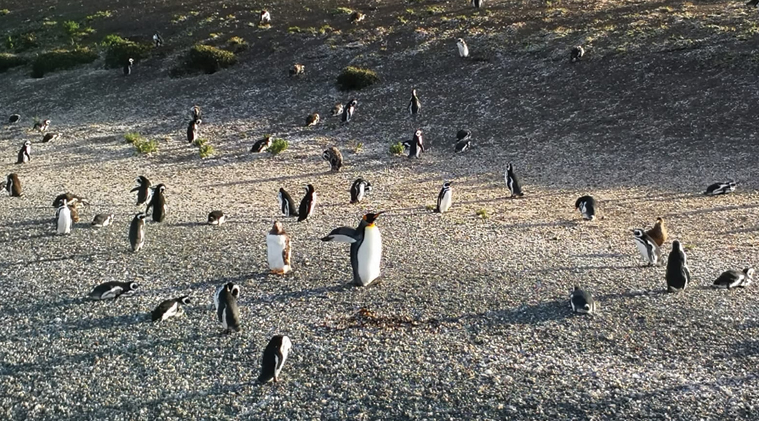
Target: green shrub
<point x="21" y="42"/>
<point x="342" y="11"/>
<point x="206" y="150"/>
<point x="236" y="45"/>
<point x="278" y="146"/>
<point x="199" y="142"/>
<point x="4" y="12"/>
<point x="61" y="60"/>
<point x="71" y="28"/>
<point x="483" y="213"/>
<point x="354" y="78"/>
<point x="133" y="138"/>
<point x="119" y="51"/>
<point x="100" y="14"/>
<point x="8" y="61"/>
<point x="207" y="59"/>
<point x="396" y="148"/>
<point x="145" y="146"/>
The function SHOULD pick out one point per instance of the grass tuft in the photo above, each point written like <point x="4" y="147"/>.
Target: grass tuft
<point x="483" y="213"/>
<point x="61" y="60"/>
<point x="145" y="146"/>
<point x="205" y="150"/>
<point x="278" y="146"/>
<point x="396" y="148"/>
<point x="236" y="45"/>
<point x="355" y="78"/>
<point x="206" y="59"/>
<point x="132" y="137"/>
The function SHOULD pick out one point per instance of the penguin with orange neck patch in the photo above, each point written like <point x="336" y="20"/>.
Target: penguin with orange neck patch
<point x="366" y="248"/>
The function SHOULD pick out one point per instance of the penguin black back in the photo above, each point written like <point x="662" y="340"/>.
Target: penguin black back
<point x="169" y="308"/>
<point x="416" y="146"/>
<point x="359" y="188"/>
<point x="678" y="275"/>
<point x="113" y="289"/>
<point x="228" y="312"/>
<point x="582" y="301"/>
<point x="137" y="231"/>
<point x="587" y="207"/>
<point x="307" y="204"/>
<point x="142" y="189"/>
<point x="348" y="110"/>
<point x="261" y="145"/>
<point x="13" y="185"/>
<point x="334" y="157"/>
<point x="158" y="203"/>
<point x="24" y="154"/>
<point x="414" y="105"/>
<point x="512" y="182"/>
<point x="286" y="203"/>
<point x="274" y="358"/>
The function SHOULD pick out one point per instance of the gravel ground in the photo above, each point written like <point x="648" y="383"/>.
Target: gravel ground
<point x="471" y="318"/>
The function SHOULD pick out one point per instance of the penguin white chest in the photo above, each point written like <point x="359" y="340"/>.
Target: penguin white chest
<point x="445" y="202"/>
<point x="463" y="50"/>
<point x="64" y="221"/>
<point x="370" y="255"/>
<point x="648" y="254"/>
<point x="275" y="248"/>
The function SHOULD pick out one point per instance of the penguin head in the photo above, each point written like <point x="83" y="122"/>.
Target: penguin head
<point x="367" y="185"/>
<point x="47" y="122"/>
<point x="677" y="246"/>
<point x="353" y="102"/>
<point x="197" y="122"/>
<point x="28" y="143"/>
<point x="310" y="188"/>
<point x="141" y="215"/>
<point x="638" y="233"/>
<point x="447" y="184"/>
<point x="131" y="61"/>
<point x="159" y="188"/>
<point x="184" y="300"/>
<point x="277" y="228"/>
<point x="413" y="92"/>
<point x="418" y="133"/>
<point x="133" y="286"/>
<point x="509" y="167"/>
<point x="233" y="289"/>
<point x="749" y="272"/>
<point x="659" y="221"/>
<point x="371" y="217"/>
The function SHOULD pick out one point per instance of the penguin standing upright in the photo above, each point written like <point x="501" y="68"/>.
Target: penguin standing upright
<point x="137" y="232"/>
<point x="227" y="310"/>
<point x="128" y="67"/>
<point x="195" y="113"/>
<point x="734" y="279"/>
<point x="512" y="182"/>
<point x="169" y="308"/>
<point x="366" y="248"/>
<point x="286" y="203"/>
<point x="24" y="155"/>
<point x="576" y="53"/>
<point x="13" y="185"/>
<point x="414" y="105"/>
<point x="416" y="146"/>
<point x="278" y="249"/>
<point x="587" y="207"/>
<point x="274" y="358"/>
<point x="113" y="289"/>
<point x="233" y="288"/>
<point x="463" y="49"/>
<point x="582" y="301"/>
<point x="359" y="188"/>
<point x="157" y="40"/>
<point x="647" y="247"/>
<point x="158" y="203"/>
<point x="144" y="194"/>
<point x="265" y="18"/>
<point x="63" y="218"/>
<point x="678" y="274"/>
<point x="445" y="198"/>
<point x="193" y="130"/>
<point x="348" y="110"/>
<point x="307" y="203"/>
<point x="658" y="233"/>
<point x="334" y="157"/>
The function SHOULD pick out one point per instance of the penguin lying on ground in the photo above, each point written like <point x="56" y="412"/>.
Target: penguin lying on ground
<point x="169" y="308"/>
<point x="734" y="279"/>
<point x="102" y="220"/>
<point x="721" y="188"/>
<point x="113" y="289"/>
<point x="366" y="248"/>
<point x="587" y="207"/>
<point x="334" y="157"/>
<point x="216" y="218"/>
<point x="274" y="358"/>
<point x="582" y="301"/>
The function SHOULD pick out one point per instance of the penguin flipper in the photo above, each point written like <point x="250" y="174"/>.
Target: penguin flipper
<point x="343" y="235"/>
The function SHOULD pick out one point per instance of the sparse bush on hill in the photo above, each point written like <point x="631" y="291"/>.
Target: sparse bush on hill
<point x="277" y="146"/>
<point x="396" y="148"/>
<point x="8" y="61"/>
<point x="145" y="146"/>
<point x="119" y="50"/>
<point x="355" y="78"/>
<point x="206" y="59"/>
<point x="236" y="45"/>
<point x="132" y="137"/>
<point x="61" y="60"/>
<point x="206" y="150"/>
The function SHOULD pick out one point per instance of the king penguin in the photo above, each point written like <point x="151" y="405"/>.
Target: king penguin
<point x="158" y="203"/>
<point x="13" y="185"/>
<point x="113" y="289"/>
<point x="445" y="198"/>
<point x="582" y="301"/>
<point x="278" y="249"/>
<point x="734" y="279"/>
<point x="587" y="207"/>
<point x="647" y="247"/>
<point x="24" y="154"/>
<point x="227" y="311"/>
<point x="512" y="182"/>
<point x="169" y="308"/>
<point x="137" y="232"/>
<point x="359" y="188"/>
<point x="308" y="203"/>
<point x="144" y="194"/>
<point x="678" y="274"/>
<point x="366" y="248"/>
<point x="63" y="218"/>
<point x="286" y="203"/>
<point x="274" y="358"/>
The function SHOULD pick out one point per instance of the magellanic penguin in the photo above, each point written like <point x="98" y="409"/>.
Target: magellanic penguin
<point x="169" y="308"/>
<point x="14" y="118"/>
<point x="195" y="116"/>
<point x="721" y="188"/>
<point x="261" y="145"/>
<point x="193" y="130"/>
<point x="359" y="189"/>
<point x="357" y="17"/>
<point x="63" y="218"/>
<point x="158" y="203"/>
<point x="658" y="233"/>
<point x="157" y="40"/>
<point x="678" y="274"/>
<point x="647" y="247"/>
<point x="216" y="218"/>
<point x="477" y="3"/>
<point x="102" y="220"/>
<point x="582" y="301"/>
<point x="13" y="185"/>
<point x="128" y="67"/>
<point x="312" y="120"/>
<point x="334" y="157"/>
<point x="233" y="288"/>
<point x="576" y="53"/>
<point x="278" y="249"/>
<point x="41" y="125"/>
<point x="274" y="358"/>
<point x="512" y="182"/>
<point x="348" y="110"/>
<point x="734" y="279"/>
<point x="445" y="198"/>
<point x="113" y="289"/>
<point x="366" y="248"/>
<point x="227" y="311"/>
<point x="307" y="204"/>
<point x="587" y="207"/>
<point x="414" y="105"/>
<point x="337" y="110"/>
<point x="144" y="193"/>
<point x="24" y="155"/>
<point x="463" y="141"/>
<point x="50" y="137"/>
<point x="297" y="70"/>
<point x="463" y="49"/>
<point x="286" y="203"/>
<point x="137" y="232"/>
<point x="416" y="146"/>
<point x="265" y="18"/>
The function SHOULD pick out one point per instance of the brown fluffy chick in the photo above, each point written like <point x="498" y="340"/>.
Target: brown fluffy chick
<point x="658" y="233"/>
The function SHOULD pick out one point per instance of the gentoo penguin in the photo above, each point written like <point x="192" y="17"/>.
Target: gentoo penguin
<point x="157" y="40"/>
<point x="169" y="308"/>
<point x="337" y="110"/>
<point x="297" y="70"/>
<point x="233" y="288"/>
<point x="113" y="289"/>
<point x="216" y="218"/>
<point x="14" y="118"/>
<point x="366" y="248"/>
<point x="647" y="247"/>
<point x="357" y="17"/>
<point x="41" y="125"/>
<point x="576" y="53"/>
<point x="274" y="358"/>
<point x="734" y="279"/>
<point x="265" y="18"/>
<point x="261" y="145"/>
<point x="334" y="157"/>
<point x="307" y="204"/>
<point x="721" y="188"/>
<point x="678" y="274"/>
<point x="348" y="110"/>
<point x="477" y="3"/>
<point x="63" y="218"/>
<point x="414" y="105"/>
<point x="144" y="193"/>
<point x="359" y="188"/>
<point x="227" y="311"/>
<point x="196" y="113"/>
<point x="24" y="155"/>
<point x="128" y="67"/>
<point x="463" y="49"/>
<point x="416" y="146"/>
<point x="13" y="185"/>
<point x="278" y="249"/>
<point x="582" y="301"/>
<point x="193" y="130"/>
<point x="512" y="182"/>
<point x="286" y="203"/>
<point x="158" y="203"/>
<point x="102" y="220"/>
<point x="312" y="120"/>
<point x="445" y="198"/>
<point x="658" y="233"/>
<point x="587" y="207"/>
<point x="50" y="136"/>
<point x="137" y="232"/>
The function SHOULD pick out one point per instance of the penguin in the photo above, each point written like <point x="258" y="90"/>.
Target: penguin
<point x="137" y="232"/>
<point x="274" y="358"/>
<point x="216" y="218"/>
<point x="647" y="247"/>
<point x="678" y="275"/>
<point x="512" y="182"/>
<point x="312" y="120"/>
<point x="334" y="157"/>
<point x="72" y="199"/>
<point x="233" y="288"/>
<point x="41" y="125"/>
<point x="445" y="198"/>
<point x="128" y="67"/>
<point x="463" y="134"/>
<point x="337" y="110"/>
<point x="278" y="249"/>
<point x="463" y="49"/>
<point x="63" y="219"/>
<point x="102" y="220"/>
<point x="307" y="204"/>
<point x="734" y="279"/>
<point x="357" y="17"/>
<point x="752" y="3"/>
<point x="587" y="207"/>
<point x="13" y="185"/>
<point x="297" y="70"/>
<point x="462" y="145"/>
<point x="227" y="310"/>
<point x="477" y="4"/>
<point x="169" y="308"/>
<point x="359" y="188"/>
<point x="14" y="118"/>
<point x="193" y="130"/>
<point x="157" y="40"/>
<point x="74" y="213"/>
<point x="50" y="137"/>
<point x="265" y="18"/>
<point x="582" y="301"/>
<point x="414" y="105"/>
<point x="366" y="248"/>
<point x="576" y="53"/>
<point x="416" y="146"/>
<point x="144" y="193"/>
<point x="24" y="154"/>
<point x="348" y="110"/>
<point x="196" y="113"/>
<point x="721" y="188"/>
<point x="261" y="145"/>
<point x="158" y="203"/>
<point x="286" y="203"/>
<point x="113" y="289"/>
<point x="658" y="233"/>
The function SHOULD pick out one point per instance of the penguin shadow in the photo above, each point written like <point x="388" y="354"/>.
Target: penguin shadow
<point x="713" y="209"/>
<point x="124" y="320"/>
<point x="188" y="224"/>
<point x="311" y="292"/>
<point x="666" y="196"/>
<point x="299" y="177"/>
<point x="529" y="314"/>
